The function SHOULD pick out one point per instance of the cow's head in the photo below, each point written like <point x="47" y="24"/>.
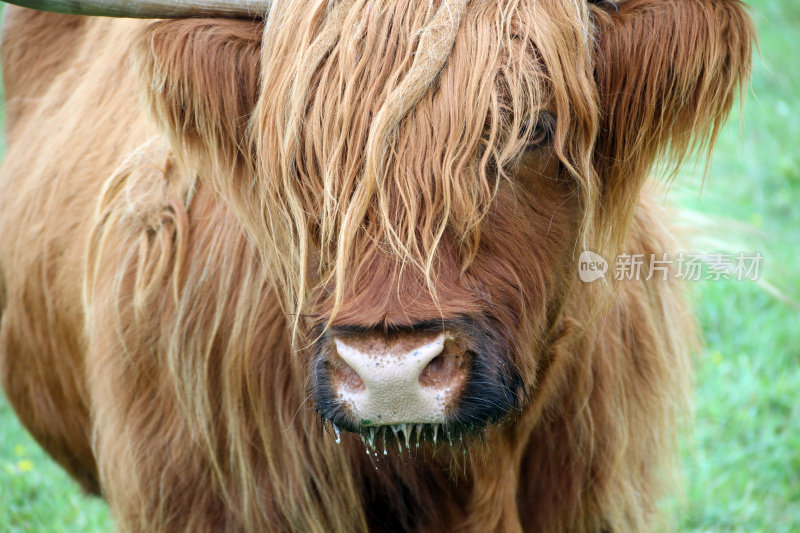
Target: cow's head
<point x="420" y="177"/>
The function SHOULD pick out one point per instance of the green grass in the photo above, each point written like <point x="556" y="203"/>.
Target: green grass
<point x="741" y="462"/>
<point x="35" y="494"/>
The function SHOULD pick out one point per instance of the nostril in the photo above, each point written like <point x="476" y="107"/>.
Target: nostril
<point x="439" y="372"/>
<point x="437" y="364"/>
<point x="446" y="369"/>
<point x="344" y="377"/>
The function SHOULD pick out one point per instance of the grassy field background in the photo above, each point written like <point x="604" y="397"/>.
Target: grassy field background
<point x="741" y="460"/>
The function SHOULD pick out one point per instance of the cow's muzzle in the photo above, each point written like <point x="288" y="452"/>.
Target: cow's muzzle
<point x="418" y="382"/>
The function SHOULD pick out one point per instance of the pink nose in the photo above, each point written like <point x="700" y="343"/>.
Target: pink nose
<point x="400" y="378"/>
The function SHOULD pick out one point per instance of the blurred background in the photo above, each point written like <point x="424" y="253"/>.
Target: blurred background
<point x="741" y="456"/>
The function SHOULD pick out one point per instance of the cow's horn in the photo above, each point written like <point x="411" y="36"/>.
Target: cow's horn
<point x="145" y="9"/>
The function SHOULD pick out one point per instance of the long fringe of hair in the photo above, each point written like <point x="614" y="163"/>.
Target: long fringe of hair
<point x="479" y="71"/>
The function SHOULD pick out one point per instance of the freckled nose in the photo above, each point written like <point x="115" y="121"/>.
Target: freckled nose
<point x="408" y="378"/>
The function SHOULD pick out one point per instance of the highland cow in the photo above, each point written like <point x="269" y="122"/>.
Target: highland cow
<point x="317" y="269"/>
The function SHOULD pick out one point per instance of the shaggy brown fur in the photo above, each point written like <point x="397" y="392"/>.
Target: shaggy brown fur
<point x="350" y="163"/>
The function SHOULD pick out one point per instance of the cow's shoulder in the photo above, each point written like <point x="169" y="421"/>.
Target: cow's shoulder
<point x="36" y="47"/>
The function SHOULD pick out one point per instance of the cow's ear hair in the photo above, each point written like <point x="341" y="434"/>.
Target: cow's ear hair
<point x="200" y="82"/>
<point x="667" y="72"/>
